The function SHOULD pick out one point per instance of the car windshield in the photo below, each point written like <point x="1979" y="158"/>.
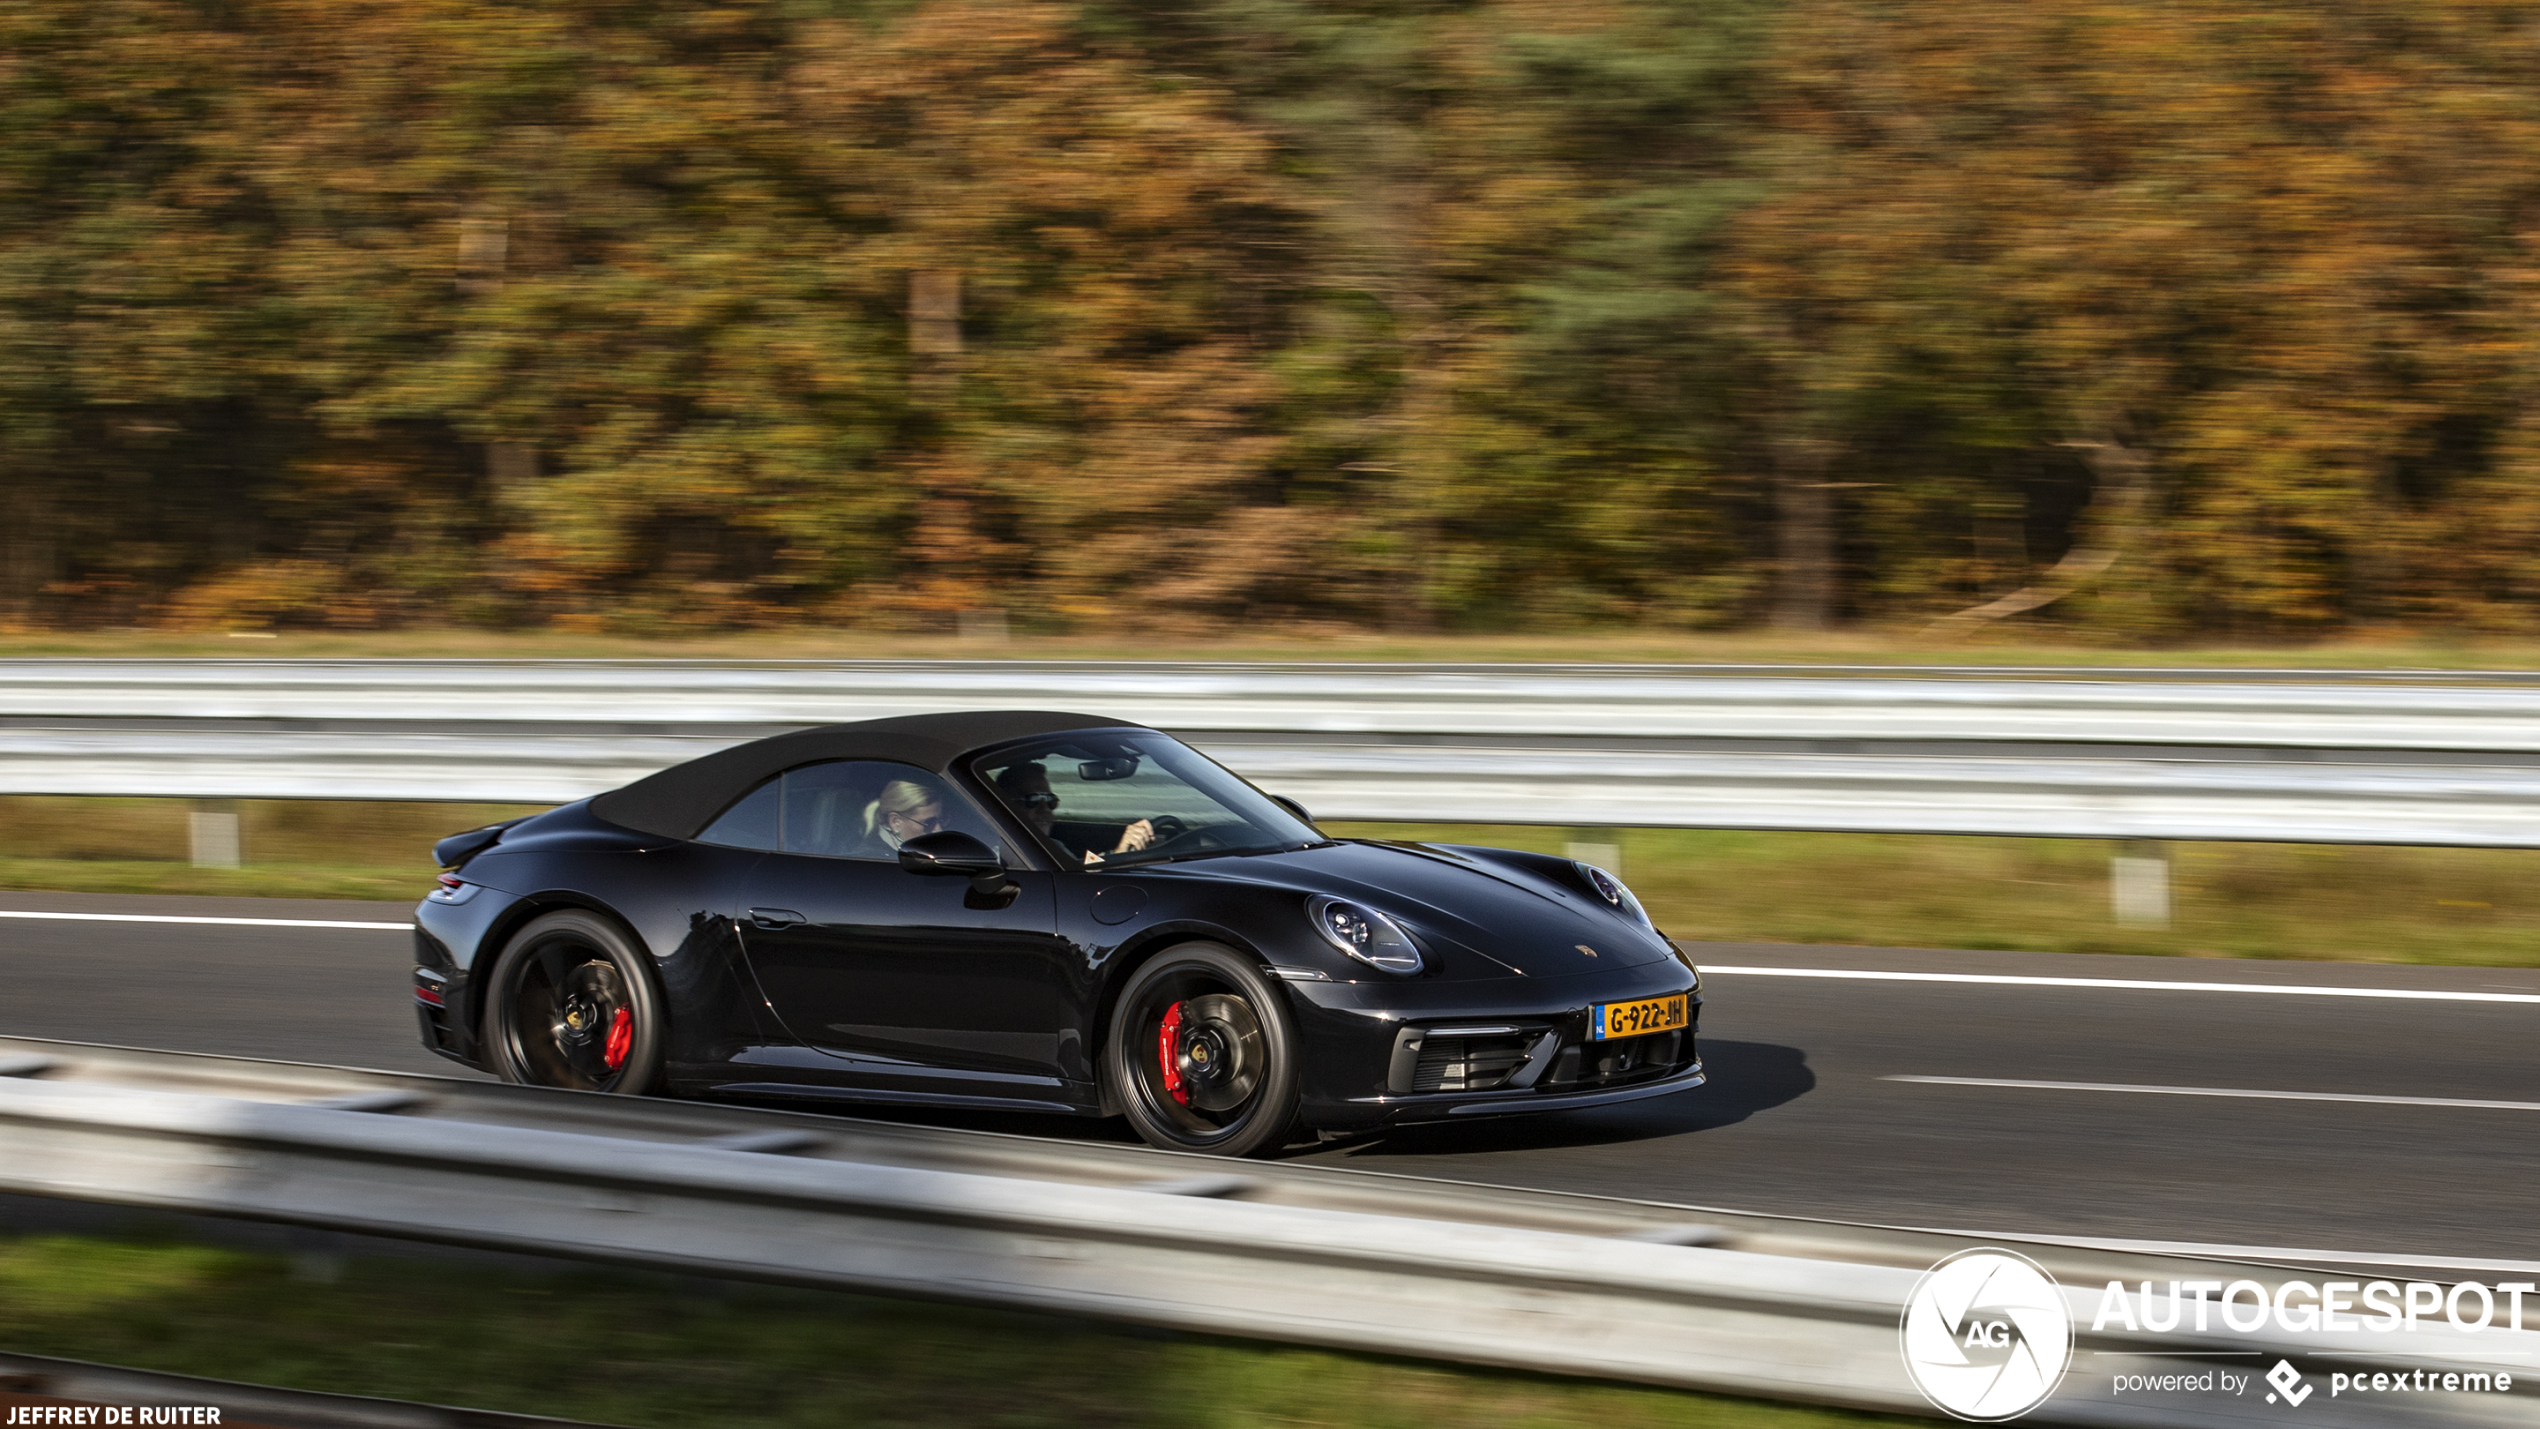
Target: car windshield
<point x="1113" y="799"/>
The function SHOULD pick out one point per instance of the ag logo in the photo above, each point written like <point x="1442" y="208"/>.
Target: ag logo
<point x="1986" y="1335"/>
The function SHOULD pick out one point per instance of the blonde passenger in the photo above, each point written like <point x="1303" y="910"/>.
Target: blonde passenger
<point x="905" y="810"/>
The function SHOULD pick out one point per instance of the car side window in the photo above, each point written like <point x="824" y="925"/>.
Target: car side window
<point x="1101" y="798"/>
<point x="848" y="808"/>
<point x="753" y="822"/>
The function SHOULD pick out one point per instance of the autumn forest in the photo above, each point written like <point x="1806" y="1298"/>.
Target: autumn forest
<point x="2145" y="321"/>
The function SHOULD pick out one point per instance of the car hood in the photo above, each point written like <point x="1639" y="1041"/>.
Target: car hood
<point x="1484" y="918"/>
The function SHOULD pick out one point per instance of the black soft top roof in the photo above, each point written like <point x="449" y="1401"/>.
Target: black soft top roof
<point x="684" y="798"/>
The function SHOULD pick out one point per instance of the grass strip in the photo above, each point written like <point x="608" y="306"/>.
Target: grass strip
<point x="2326" y="902"/>
<point x="662" y="1352"/>
<point x="72" y="875"/>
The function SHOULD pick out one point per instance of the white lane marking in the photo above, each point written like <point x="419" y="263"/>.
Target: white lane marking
<point x="2131" y="984"/>
<point x="2217" y="1092"/>
<point x="225" y="922"/>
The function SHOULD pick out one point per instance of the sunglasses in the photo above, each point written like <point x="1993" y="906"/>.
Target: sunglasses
<point x="1039" y="801"/>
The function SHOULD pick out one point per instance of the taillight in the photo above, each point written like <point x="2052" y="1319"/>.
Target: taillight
<point x="450" y="880"/>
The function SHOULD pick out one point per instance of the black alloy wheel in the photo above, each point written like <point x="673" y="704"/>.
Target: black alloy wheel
<point x="572" y="1005"/>
<point x="1202" y="1054"/>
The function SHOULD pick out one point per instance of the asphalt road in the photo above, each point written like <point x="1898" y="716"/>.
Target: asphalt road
<point x="1803" y="1116"/>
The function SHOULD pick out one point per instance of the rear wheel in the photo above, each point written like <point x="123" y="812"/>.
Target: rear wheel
<point x="572" y="1004"/>
<point x="1202" y="1054"/>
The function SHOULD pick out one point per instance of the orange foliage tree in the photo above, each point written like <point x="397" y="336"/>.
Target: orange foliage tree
<point x="2260" y="269"/>
<point x="2145" y="319"/>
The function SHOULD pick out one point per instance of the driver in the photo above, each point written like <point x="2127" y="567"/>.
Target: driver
<point x="1027" y="788"/>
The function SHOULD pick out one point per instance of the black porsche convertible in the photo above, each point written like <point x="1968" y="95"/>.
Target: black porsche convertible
<point x="1042" y="912"/>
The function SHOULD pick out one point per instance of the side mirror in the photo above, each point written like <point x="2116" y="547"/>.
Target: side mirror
<point x="951" y="852"/>
<point x="1293" y="807"/>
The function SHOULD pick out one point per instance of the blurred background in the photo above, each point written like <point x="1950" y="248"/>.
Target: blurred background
<point x="1487" y="328"/>
<point x="2164" y="321"/>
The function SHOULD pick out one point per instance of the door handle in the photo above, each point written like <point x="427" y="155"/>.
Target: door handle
<point x="775" y="918"/>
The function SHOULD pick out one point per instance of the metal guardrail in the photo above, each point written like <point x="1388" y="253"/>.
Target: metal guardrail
<point x="2319" y="710"/>
<point x="2302" y="756"/>
<point x="1564" y="1284"/>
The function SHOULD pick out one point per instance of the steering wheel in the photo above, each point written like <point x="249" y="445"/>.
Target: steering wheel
<point x="1167" y="828"/>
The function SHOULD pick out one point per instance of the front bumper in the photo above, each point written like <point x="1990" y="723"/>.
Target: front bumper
<point x="1678" y="1081"/>
<point x="1457" y="1106"/>
<point x="1390" y="1055"/>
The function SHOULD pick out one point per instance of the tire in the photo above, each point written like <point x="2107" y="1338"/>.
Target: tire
<point x="1221" y="1027"/>
<point x="571" y="1004"/>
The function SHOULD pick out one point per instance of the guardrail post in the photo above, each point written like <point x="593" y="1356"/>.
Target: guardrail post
<point x="212" y="833"/>
<point x="2139" y="884"/>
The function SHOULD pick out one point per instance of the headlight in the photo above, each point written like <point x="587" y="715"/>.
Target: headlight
<point x="1612" y="890"/>
<point x="1364" y="934"/>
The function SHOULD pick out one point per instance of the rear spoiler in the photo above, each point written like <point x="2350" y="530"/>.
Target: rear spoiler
<point x="454" y="851"/>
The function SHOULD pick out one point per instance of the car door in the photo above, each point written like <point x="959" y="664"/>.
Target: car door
<point x="913" y="982"/>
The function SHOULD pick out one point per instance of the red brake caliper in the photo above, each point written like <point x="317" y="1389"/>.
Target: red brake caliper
<point x="621" y="1037"/>
<point x="1165" y="1038"/>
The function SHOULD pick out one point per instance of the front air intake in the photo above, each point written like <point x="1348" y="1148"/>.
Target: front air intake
<point x="1468" y="1064"/>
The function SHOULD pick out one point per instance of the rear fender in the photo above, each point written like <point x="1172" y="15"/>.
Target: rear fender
<point x="467" y="1006"/>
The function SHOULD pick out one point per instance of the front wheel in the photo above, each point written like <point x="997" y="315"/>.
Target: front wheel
<point x="1202" y="1055"/>
<point x="571" y="1004"/>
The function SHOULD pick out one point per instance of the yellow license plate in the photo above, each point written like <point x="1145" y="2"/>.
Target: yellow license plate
<point x="1631" y="1019"/>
